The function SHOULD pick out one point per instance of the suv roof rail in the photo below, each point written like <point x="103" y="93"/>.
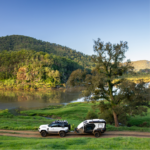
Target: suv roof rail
<point x="57" y="121"/>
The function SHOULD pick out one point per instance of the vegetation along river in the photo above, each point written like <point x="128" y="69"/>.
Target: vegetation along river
<point x="32" y="100"/>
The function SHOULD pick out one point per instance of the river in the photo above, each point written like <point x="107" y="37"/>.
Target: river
<point x="32" y="100"/>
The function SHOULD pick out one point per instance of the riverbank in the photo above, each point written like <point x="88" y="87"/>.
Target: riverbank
<point x="42" y="87"/>
<point x="14" y="84"/>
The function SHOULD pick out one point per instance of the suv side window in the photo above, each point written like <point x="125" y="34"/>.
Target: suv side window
<point x="59" y="125"/>
<point x="54" y="125"/>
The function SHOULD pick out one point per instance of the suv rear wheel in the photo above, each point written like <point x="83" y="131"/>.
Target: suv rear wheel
<point x="43" y="134"/>
<point x="97" y="134"/>
<point x="62" y="134"/>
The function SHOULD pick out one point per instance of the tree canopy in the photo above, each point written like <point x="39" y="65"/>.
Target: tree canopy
<point x="118" y="97"/>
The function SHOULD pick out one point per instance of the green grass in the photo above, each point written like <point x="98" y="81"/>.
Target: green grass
<point x="78" y="111"/>
<point x="23" y="124"/>
<point x="9" y="121"/>
<point x="74" y="143"/>
<point x="125" y="128"/>
<point x="74" y="113"/>
<point x="72" y="110"/>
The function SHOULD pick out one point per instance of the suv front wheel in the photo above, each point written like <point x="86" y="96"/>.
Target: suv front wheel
<point x="43" y="133"/>
<point x="62" y="134"/>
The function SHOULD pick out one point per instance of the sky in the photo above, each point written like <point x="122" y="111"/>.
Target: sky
<point x="77" y="23"/>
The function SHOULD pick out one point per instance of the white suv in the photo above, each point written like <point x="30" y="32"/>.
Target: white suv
<point x="56" y="127"/>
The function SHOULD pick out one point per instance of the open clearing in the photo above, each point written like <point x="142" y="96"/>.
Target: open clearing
<point x="107" y="134"/>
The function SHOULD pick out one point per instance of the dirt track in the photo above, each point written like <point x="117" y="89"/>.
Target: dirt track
<point x="107" y="134"/>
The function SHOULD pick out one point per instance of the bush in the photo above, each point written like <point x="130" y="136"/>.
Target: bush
<point x="72" y="127"/>
<point x="27" y="87"/>
<point x="5" y="113"/>
<point x="91" y="114"/>
<point x="107" y="116"/>
<point x="9" y="82"/>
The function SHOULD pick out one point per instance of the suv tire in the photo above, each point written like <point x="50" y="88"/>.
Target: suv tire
<point x="43" y="133"/>
<point x="62" y="134"/>
<point x="97" y="134"/>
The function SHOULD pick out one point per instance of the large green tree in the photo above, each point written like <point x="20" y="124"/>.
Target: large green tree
<point x="106" y="82"/>
<point x="118" y="97"/>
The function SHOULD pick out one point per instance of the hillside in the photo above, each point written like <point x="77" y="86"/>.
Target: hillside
<point x="18" y="42"/>
<point x="141" y="64"/>
<point x="30" y="69"/>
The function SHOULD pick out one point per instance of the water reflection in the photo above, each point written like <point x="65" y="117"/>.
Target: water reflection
<point x="27" y="100"/>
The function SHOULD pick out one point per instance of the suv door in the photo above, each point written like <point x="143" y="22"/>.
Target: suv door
<point x="58" y="128"/>
<point x="89" y="128"/>
<point x="52" y="128"/>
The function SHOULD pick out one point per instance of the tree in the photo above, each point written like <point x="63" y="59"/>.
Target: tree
<point x="76" y="78"/>
<point x="106" y="82"/>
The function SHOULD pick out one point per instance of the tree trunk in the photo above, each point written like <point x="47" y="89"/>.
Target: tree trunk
<point x="116" y="119"/>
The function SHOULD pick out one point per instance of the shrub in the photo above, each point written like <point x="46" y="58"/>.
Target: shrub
<point x="72" y="127"/>
<point x="5" y="113"/>
<point x="91" y="114"/>
<point x="27" y="87"/>
<point x="9" y="82"/>
<point x="108" y="116"/>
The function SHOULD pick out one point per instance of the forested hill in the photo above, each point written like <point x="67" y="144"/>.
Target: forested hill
<point x="30" y="69"/>
<point x="18" y="42"/>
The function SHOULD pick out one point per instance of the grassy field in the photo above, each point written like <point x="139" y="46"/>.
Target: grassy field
<point x="22" y="123"/>
<point x="9" y="121"/>
<point x="135" y="78"/>
<point x="74" y="143"/>
<point x="78" y="111"/>
<point x="140" y="120"/>
<point x="74" y="113"/>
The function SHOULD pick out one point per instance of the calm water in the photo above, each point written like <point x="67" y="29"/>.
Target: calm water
<point x="31" y="100"/>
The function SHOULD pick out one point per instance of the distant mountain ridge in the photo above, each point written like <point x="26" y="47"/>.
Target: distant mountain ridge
<point x="18" y="42"/>
<point x="141" y="64"/>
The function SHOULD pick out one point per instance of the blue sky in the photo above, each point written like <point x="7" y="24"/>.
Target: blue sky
<point x="77" y="23"/>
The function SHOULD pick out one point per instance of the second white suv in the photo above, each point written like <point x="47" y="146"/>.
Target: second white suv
<point x="95" y="126"/>
<point x="56" y="127"/>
